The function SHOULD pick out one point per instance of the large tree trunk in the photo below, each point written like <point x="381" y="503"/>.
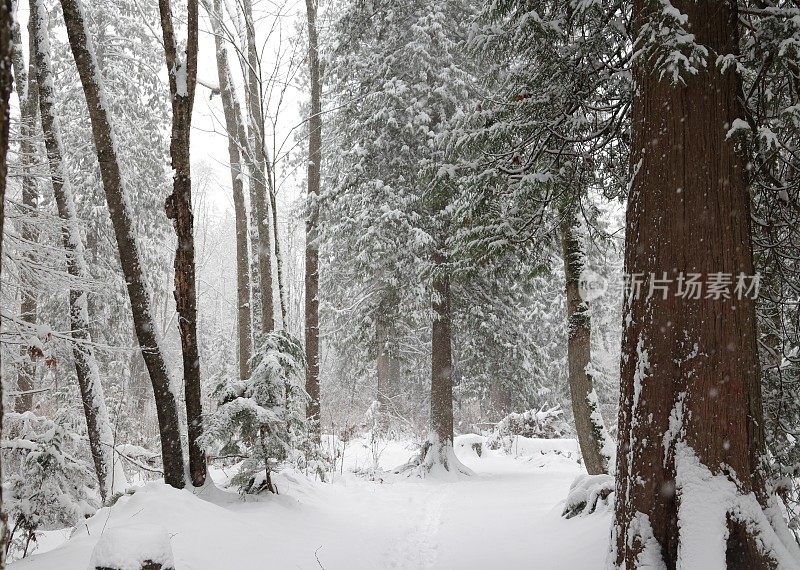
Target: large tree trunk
<point x="442" y="361"/>
<point x="690" y="424"/>
<point x="438" y="451"/>
<point x="144" y="324"/>
<point x="588" y="422"/>
<point x="182" y="82"/>
<point x="28" y="93"/>
<point x="98" y="425"/>
<point x="6" y="20"/>
<point x="236" y="139"/>
<point x="258" y="166"/>
<point x="312" y="248"/>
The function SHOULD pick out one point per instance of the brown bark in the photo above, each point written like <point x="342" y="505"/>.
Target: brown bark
<point x="144" y="324"/>
<point x="28" y="93"/>
<point x="182" y="81"/>
<point x="441" y="357"/>
<point x="312" y="251"/>
<point x="694" y="359"/>
<point x="579" y="349"/>
<point x="6" y="20"/>
<point x="236" y="139"/>
<point x="258" y="166"/>
<point x="98" y="426"/>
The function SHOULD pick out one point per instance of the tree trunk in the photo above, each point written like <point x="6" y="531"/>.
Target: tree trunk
<point x="6" y="21"/>
<point x="588" y="422"/>
<point x="439" y="448"/>
<point x="98" y="425"/>
<point x="312" y="251"/>
<point x="388" y="366"/>
<point x="236" y="139"/>
<point x="499" y="400"/>
<point x="257" y="165"/>
<point x="166" y="407"/>
<point x="28" y="93"/>
<point x="690" y="419"/>
<point x="182" y="83"/>
<point x="273" y="203"/>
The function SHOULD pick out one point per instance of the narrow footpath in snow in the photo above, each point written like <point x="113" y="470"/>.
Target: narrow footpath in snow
<point x="507" y="515"/>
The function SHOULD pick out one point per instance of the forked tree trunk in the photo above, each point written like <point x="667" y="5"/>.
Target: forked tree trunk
<point x="236" y="139"/>
<point x="690" y="424"/>
<point x="588" y="422"/>
<point x="98" y="425"/>
<point x="6" y="20"/>
<point x="257" y="165"/>
<point x="312" y="248"/>
<point x="144" y="324"/>
<point x="28" y="93"/>
<point x="182" y="82"/>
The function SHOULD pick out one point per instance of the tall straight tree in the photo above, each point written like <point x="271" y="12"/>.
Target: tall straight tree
<point x="588" y="421"/>
<point x="101" y="440"/>
<point x="441" y="418"/>
<point x="312" y="251"/>
<point x="691" y="421"/>
<point x="28" y="93"/>
<point x="119" y="208"/>
<point x="6" y="22"/>
<point x="182" y="73"/>
<point x="257" y="165"/>
<point x="237" y="137"/>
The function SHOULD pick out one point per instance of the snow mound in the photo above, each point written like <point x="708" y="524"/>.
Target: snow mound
<point x="133" y="547"/>
<point x="587" y="493"/>
<point x="469" y="445"/>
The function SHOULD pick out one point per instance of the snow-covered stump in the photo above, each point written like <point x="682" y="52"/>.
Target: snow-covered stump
<point x="133" y="547"/>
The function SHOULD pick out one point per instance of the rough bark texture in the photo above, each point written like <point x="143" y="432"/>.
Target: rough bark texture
<point x="6" y="20"/>
<point x="144" y="325"/>
<point x="182" y="81"/>
<point x="312" y="251"/>
<point x="258" y="166"/>
<point x="236" y="139"/>
<point x="441" y="358"/>
<point x="28" y="93"/>
<point x="98" y="425"/>
<point x="692" y="361"/>
<point x="579" y="350"/>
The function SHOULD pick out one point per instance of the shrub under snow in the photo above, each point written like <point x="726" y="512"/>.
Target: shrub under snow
<point x="545" y="423"/>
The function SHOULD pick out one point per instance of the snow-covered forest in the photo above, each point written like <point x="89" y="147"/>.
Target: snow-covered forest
<point x="365" y="284"/>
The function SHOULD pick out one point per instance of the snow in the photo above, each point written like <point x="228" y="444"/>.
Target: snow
<point x="506" y="515"/>
<point x="129" y="547"/>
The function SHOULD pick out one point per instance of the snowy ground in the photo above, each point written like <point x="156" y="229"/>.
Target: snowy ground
<point x="506" y="516"/>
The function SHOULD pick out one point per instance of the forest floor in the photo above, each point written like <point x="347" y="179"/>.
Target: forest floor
<point x="505" y="516"/>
